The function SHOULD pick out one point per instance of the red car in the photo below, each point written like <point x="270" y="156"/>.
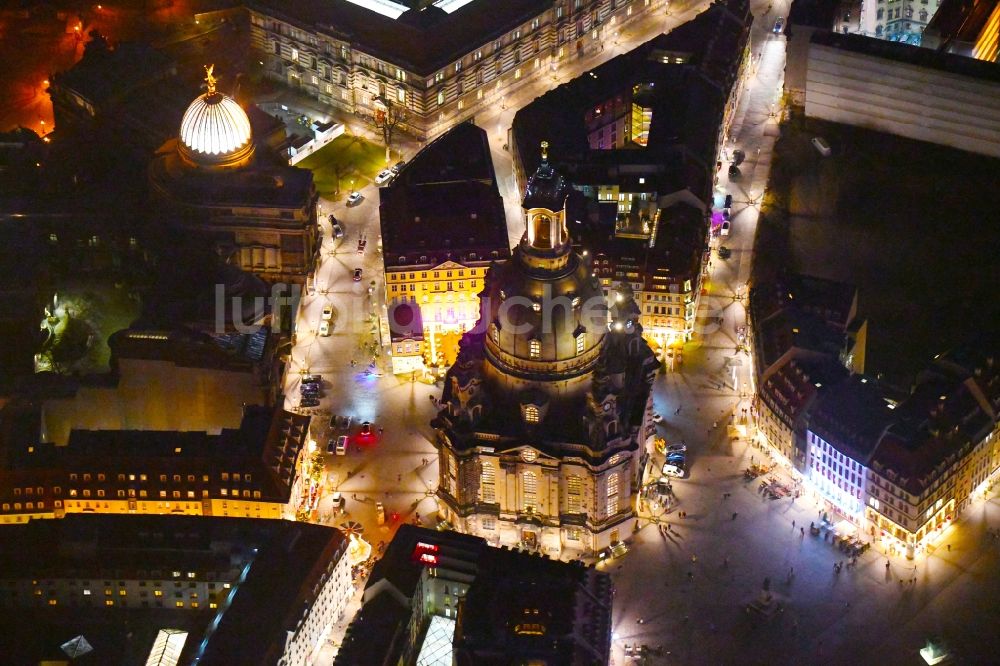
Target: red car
<point x="357" y="275"/>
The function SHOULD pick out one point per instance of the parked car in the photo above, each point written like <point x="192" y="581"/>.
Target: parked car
<point x="729" y="202"/>
<point x="312" y="379"/>
<point x="309" y="390"/>
<point x="384" y="177"/>
<point x="309" y="402"/>
<point x="366" y="431"/>
<point x="673" y="470"/>
<point x="338" y="231"/>
<point x="724" y="252"/>
<point x="327" y="312"/>
<point x="357" y="275"/>
<point x="397" y="167"/>
<point x="724" y="230"/>
<point x="379" y="513"/>
<point x="779" y="24"/>
<point x="726" y="213"/>
<point x="657" y="418"/>
<point x="338" y="500"/>
<point x="734" y="172"/>
<point x="820" y="144"/>
<point x="324" y="329"/>
<point x="342" y="445"/>
<point x="677" y="448"/>
<point x="354" y="198"/>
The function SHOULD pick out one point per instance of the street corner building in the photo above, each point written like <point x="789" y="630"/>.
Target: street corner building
<point x="215" y="179"/>
<point x="443" y="225"/>
<point x="442" y="61"/>
<point x="138" y="590"/>
<point x="440" y="597"/>
<point x="546" y="413"/>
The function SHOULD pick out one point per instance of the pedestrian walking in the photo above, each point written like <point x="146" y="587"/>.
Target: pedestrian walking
<point x="734" y="515"/>
<point x="802" y="531"/>
<point x="793" y="524"/>
<point x="949" y="547"/>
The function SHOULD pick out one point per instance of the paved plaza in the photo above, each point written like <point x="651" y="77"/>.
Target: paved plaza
<point x="682" y="591"/>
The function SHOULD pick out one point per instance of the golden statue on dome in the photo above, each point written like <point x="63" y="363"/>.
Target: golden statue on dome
<point x="209" y="79"/>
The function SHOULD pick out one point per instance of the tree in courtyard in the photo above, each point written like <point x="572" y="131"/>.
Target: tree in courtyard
<point x="387" y="118"/>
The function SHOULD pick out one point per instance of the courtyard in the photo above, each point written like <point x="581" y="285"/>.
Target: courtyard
<point x="348" y="162"/>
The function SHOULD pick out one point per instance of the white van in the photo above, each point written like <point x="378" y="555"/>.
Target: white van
<point x="820" y="144"/>
<point x="672" y="470"/>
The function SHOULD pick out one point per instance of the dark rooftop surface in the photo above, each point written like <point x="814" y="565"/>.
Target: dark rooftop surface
<point x="852" y="416"/>
<point x="812" y="13"/>
<point x="914" y="55"/>
<point x="687" y="102"/>
<point x="445" y="204"/>
<point x="134" y="64"/>
<point x="284" y="558"/>
<point x="420" y="41"/>
<point x="794" y="385"/>
<point x="525" y="606"/>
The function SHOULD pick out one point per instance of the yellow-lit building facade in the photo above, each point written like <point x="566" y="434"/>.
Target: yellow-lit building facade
<point x="117" y="472"/>
<point x="447" y="296"/>
<point x="443" y="225"/>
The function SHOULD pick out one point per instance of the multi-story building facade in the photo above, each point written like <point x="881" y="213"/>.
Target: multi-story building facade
<point x="545" y="415"/>
<point x="249" y="592"/>
<point x="844" y="430"/>
<point x="249" y="472"/>
<point x="640" y="137"/>
<point x="804" y="336"/>
<point x="443" y="225"/>
<point x="938" y="453"/>
<point x="442" y="61"/>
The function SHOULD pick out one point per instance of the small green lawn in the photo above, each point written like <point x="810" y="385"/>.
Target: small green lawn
<point x="347" y="157"/>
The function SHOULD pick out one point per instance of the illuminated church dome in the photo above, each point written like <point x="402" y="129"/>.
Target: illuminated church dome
<point x="215" y="130"/>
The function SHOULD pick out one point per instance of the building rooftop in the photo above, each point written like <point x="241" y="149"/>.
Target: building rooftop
<point x="813" y="13"/>
<point x="264" y="448"/>
<point x="794" y="384"/>
<point x="445" y="205"/>
<point x="684" y="78"/>
<point x="526" y="606"/>
<point x="422" y="40"/>
<point x="852" y="416"/>
<point x="914" y="55"/>
<point x="135" y="64"/>
<point x="571" y="600"/>
<point x="280" y="559"/>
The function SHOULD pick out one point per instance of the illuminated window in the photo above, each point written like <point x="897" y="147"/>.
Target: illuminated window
<point x="295" y="54"/>
<point x="612" y="504"/>
<point x="487" y="483"/>
<point x="574" y="496"/>
<point x="529" y="490"/>
<point x="440" y="98"/>
<point x="109" y="602"/>
<point x="535" y="347"/>
<point x="531" y="414"/>
<point x="400" y="95"/>
<point x="580" y="340"/>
